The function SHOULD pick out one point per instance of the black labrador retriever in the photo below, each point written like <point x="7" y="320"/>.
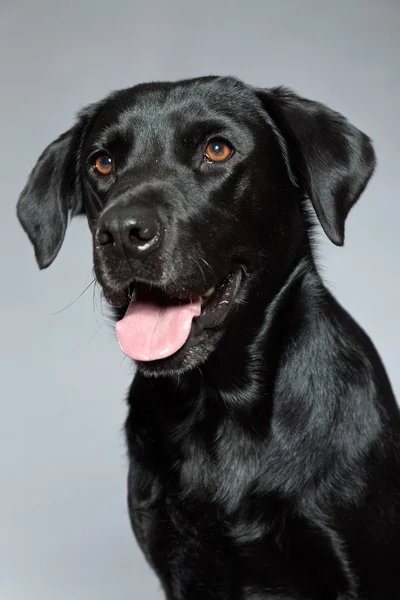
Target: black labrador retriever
<point x="263" y="433"/>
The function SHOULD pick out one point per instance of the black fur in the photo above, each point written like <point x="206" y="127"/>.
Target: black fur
<point x="264" y="455"/>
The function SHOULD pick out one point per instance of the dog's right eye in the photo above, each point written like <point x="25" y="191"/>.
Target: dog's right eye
<point x="103" y="164"/>
<point x="218" y="151"/>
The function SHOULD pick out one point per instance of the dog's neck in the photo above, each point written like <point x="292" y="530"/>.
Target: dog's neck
<point x="272" y="316"/>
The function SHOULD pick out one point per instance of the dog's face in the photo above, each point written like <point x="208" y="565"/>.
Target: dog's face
<point x="193" y="192"/>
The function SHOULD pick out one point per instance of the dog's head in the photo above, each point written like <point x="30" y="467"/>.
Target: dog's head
<point x="192" y="190"/>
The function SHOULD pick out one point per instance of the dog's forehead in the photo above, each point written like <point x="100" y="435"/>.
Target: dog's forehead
<point x="219" y="98"/>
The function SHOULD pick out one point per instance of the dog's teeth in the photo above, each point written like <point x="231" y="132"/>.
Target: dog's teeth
<point x="209" y="292"/>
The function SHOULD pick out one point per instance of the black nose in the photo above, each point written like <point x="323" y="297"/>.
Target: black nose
<point x="128" y="232"/>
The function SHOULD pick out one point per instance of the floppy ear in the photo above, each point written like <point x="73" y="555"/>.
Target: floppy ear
<point x="326" y="155"/>
<point x="53" y="190"/>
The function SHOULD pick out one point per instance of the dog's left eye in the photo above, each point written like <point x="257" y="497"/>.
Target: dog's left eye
<point x="218" y="151"/>
<point x="103" y="164"/>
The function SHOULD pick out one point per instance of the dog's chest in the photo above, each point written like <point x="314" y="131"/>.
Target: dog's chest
<point x="195" y="542"/>
<point x="222" y="469"/>
<point x="196" y="514"/>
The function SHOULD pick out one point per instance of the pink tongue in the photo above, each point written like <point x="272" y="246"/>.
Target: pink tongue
<point x="150" y="332"/>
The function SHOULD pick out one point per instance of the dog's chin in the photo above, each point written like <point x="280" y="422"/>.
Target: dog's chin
<point x="218" y="306"/>
<point x="194" y="353"/>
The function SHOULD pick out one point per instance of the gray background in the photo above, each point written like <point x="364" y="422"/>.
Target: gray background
<point x="64" y="532"/>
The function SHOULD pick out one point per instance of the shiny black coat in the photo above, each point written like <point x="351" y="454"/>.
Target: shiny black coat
<point x="265" y="454"/>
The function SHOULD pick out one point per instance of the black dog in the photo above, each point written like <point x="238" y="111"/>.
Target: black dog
<point x="263" y="433"/>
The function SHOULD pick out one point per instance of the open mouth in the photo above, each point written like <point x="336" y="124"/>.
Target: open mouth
<point x="156" y="324"/>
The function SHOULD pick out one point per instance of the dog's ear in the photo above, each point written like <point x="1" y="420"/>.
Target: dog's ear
<point x="329" y="158"/>
<point x="53" y="191"/>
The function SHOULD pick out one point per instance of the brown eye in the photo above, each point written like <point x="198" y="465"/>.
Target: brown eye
<point x="103" y="164"/>
<point x="218" y="151"/>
